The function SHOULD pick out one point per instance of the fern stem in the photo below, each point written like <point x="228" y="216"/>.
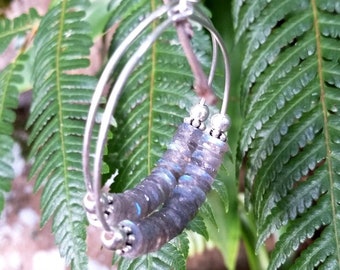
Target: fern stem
<point x="325" y="120"/>
<point x="151" y="95"/>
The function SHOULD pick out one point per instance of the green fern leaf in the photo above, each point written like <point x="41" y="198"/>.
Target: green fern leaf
<point x="178" y="248"/>
<point x="10" y="77"/>
<point x="157" y="260"/>
<point x="290" y="143"/>
<point x="59" y="107"/>
<point x="207" y="212"/>
<point x="19" y="26"/>
<point x="182" y="244"/>
<point x="9" y="94"/>
<point x="219" y="185"/>
<point x="154" y="102"/>
<point x="197" y="225"/>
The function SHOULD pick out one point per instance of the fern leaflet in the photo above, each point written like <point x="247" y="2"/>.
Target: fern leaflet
<point x="178" y="248"/>
<point x="19" y="26"/>
<point x="9" y="79"/>
<point x="59" y="107"/>
<point x="290" y="142"/>
<point x="9" y="94"/>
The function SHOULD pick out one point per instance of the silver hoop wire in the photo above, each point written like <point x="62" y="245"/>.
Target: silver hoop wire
<point x="94" y="185"/>
<point x="216" y="37"/>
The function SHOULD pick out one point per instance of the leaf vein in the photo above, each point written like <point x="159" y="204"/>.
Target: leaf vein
<point x="325" y="119"/>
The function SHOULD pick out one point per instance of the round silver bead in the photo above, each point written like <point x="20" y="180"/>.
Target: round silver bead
<point x="113" y="240"/>
<point x="126" y="249"/>
<point x="199" y="112"/>
<point x="220" y="122"/>
<point x="126" y="229"/>
<point x="130" y="239"/>
<point x="202" y="126"/>
<point x="89" y="203"/>
<point x="195" y="123"/>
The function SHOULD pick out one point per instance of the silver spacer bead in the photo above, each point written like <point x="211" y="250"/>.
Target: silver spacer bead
<point x="198" y="114"/>
<point x="114" y="240"/>
<point x="219" y="124"/>
<point x="89" y="203"/>
<point x="130" y="239"/>
<point x="126" y="249"/>
<point x="119" y="252"/>
<point x="126" y="229"/>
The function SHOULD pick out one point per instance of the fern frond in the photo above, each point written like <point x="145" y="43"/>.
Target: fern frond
<point x="197" y="225"/>
<point x="290" y="142"/>
<point x="59" y="108"/>
<point x="160" y="259"/>
<point x="154" y="102"/>
<point x="9" y="79"/>
<point x="18" y="26"/>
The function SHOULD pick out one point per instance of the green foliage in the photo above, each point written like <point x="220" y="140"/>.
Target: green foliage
<point x="178" y="248"/>
<point x="289" y="143"/>
<point x="225" y="230"/>
<point x="154" y="102"/>
<point x="8" y="102"/>
<point x="10" y="77"/>
<point x="19" y="26"/>
<point x="60" y="105"/>
<point x="197" y="225"/>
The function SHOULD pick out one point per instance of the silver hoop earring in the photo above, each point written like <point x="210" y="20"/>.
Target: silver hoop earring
<point x="189" y="166"/>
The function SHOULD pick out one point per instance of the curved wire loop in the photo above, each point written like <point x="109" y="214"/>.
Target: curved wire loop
<point x="176" y="11"/>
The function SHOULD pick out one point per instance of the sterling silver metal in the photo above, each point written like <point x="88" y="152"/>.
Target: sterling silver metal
<point x="176" y="11"/>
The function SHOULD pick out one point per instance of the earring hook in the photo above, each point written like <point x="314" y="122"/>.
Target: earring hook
<point x="216" y="37"/>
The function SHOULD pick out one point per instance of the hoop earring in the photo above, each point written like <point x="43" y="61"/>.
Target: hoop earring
<point x="127" y="231"/>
